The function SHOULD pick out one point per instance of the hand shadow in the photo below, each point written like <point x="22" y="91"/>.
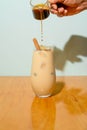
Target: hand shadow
<point x="75" y="47"/>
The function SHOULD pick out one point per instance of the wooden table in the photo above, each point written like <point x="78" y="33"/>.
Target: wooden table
<point x="65" y="110"/>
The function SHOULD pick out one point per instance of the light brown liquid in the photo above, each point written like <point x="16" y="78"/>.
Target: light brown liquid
<point x="41" y="29"/>
<point x="41" y="12"/>
<point x="43" y="73"/>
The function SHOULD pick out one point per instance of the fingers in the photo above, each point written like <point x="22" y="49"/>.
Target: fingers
<point x="59" y="11"/>
<point x="54" y="6"/>
<point x="62" y="12"/>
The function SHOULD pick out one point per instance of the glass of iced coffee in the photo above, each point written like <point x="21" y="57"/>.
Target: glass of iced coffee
<point x="43" y="76"/>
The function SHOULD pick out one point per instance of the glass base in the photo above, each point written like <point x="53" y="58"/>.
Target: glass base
<point x="43" y="96"/>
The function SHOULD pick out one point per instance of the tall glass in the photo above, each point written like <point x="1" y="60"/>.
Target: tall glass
<point x="43" y="76"/>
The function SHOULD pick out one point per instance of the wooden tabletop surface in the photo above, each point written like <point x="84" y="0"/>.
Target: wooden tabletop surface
<point x="65" y="110"/>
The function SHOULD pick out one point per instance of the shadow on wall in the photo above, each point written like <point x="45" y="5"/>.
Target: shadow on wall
<point x="75" y="47"/>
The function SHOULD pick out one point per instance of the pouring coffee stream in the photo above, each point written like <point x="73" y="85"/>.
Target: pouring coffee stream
<point x="41" y="11"/>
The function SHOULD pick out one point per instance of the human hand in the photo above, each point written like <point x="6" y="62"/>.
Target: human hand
<point x="67" y="7"/>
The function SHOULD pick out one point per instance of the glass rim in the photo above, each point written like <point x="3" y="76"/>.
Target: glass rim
<point x="46" y="1"/>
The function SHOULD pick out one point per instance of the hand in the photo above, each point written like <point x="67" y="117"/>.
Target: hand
<point x="67" y="7"/>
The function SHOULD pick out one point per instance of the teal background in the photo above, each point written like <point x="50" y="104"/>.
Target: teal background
<point x="68" y="36"/>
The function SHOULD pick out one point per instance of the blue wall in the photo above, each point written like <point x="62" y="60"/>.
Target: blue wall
<point x="68" y="35"/>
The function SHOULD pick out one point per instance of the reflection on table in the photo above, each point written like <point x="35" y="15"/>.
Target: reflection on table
<point x="66" y="109"/>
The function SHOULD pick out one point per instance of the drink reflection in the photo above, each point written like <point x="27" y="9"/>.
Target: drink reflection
<point x="43" y="113"/>
<point x="71" y="106"/>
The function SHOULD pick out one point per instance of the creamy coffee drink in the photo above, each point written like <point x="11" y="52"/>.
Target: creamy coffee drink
<point x="43" y="76"/>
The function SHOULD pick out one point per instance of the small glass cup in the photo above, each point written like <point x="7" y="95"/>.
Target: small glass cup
<point x="40" y="9"/>
<point x="43" y="77"/>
